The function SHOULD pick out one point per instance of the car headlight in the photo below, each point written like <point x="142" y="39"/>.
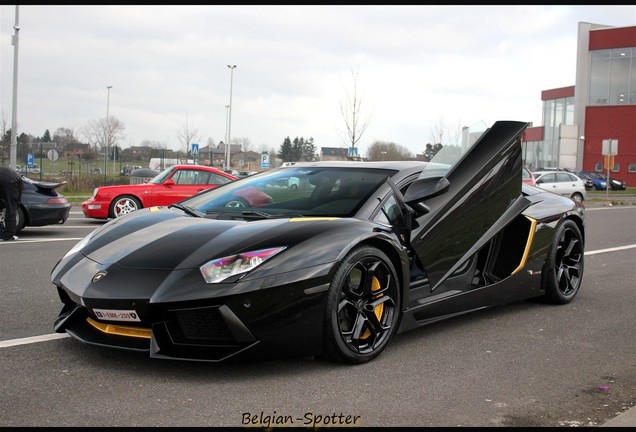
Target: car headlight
<point x="219" y="269"/>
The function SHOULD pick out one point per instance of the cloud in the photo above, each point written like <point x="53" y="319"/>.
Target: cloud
<point x="168" y="66"/>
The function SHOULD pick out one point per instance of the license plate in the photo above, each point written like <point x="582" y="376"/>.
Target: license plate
<point x="117" y="315"/>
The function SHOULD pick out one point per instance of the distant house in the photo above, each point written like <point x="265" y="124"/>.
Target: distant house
<point x="250" y="160"/>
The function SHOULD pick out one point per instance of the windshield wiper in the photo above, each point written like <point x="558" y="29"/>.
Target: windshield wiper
<point x="266" y="215"/>
<point x="248" y="214"/>
<point x="187" y="209"/>
<point x="262" y="214"/>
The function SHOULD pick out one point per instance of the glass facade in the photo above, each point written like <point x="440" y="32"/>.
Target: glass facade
<point x="612" y="76"/>
<point x="545" y="154"/>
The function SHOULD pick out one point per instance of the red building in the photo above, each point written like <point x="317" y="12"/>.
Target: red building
<point x="600" y="106"/>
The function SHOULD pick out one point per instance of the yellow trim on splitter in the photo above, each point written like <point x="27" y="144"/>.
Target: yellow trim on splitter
<point x="120" y="330"/>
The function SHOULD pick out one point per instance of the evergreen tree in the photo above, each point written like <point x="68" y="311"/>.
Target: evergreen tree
<point x="286" y="152"/>
<point x="309" y="150"/>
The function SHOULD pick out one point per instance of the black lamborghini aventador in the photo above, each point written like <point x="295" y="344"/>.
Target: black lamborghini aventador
<point x="325" y="258"/>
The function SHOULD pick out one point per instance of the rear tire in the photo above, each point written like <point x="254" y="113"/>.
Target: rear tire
<point x="577" y="197"/>
<point x="363" y="307"/>
<point x="21" y="220"/>
<point x="564" y="270"/>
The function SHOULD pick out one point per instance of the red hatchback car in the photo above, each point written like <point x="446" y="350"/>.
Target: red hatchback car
<point x="171" y="185"/>
<point x="528" y="177"/>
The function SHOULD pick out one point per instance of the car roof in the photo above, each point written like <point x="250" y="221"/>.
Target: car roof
<point x="202" y="167"/>
<point x="393" y="165"/>
<point x="540" y="173"/>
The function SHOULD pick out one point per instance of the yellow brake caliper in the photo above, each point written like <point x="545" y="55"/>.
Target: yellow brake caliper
<point x="375" y="286"/>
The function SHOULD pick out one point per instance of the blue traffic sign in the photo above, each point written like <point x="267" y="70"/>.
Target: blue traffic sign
<point x="30" y="160"/>
<point x="264" y="160"/>
<point x="195" y="149"/>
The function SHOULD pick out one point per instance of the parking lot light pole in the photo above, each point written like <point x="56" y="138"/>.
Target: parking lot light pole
<point x="226" y="149"/>
<point x="107" y="134"/>
<point x="229" y="121"/>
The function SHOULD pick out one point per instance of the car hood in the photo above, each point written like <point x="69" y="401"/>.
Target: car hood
<point x="167" y="239"/>
<point x="126" y="187"/>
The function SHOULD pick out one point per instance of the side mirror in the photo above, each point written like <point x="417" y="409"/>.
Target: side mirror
<point x="425" y="188"/>
<point x="422" y="189"/>
<point x="169" y="182"/>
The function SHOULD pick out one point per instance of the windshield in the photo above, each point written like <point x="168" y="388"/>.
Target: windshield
<point x="453" y="150"/>
<point x="162" y="176"/>
<point x="293" y="191"/>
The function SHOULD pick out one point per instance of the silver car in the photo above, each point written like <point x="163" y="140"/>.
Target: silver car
<point x="561" y="182"/>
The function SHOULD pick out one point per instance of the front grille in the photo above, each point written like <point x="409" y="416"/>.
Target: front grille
<point x="202" y="325"/>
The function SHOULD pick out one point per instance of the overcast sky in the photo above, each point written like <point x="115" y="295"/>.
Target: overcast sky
<point x="418" y="67"/>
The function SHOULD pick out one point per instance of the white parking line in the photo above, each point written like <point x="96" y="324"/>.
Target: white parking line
<point x="614" y="249"/>
<point x="32" y="339"/>
<point x="36" y="240"/>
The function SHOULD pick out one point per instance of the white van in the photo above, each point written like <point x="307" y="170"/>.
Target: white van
<point x="155" y="163"/>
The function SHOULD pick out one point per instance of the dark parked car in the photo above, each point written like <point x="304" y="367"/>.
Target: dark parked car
<point x="41" y="205"/>
<point x="600" y="181"/>
<point x="589" y="185"/>
<point x="358" y="252"/>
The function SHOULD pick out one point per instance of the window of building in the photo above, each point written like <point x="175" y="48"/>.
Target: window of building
<point x="612" y="77"/>
<point x="598" y="166"/>
<point x="631" y="167"/>
<point x="616" y="167"/>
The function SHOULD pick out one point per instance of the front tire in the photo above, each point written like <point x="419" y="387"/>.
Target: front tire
<point x="123" y="205"/>
<point x="564" y="269"/>
<point x="363" y="307"/>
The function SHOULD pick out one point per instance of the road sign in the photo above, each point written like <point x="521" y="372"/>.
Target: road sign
<point x="53" y="155"/>
<point x="195" y="149"/>
<point x="30" y="160"/>
<point x="264" y="160"/>
<point x="610" y="147"/>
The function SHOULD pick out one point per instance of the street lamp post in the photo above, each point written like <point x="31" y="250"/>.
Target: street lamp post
<point x="229" y="121"/>
<point x="227" y="147"/>
<point x="107" y="134"/>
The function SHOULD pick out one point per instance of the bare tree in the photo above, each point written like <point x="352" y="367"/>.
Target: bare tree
<point x="352" y="115"/>
<point x="441" y="133"/>
<point x="245" y="143"/>
<point x="386" y="151"/>
<point x="438" y="131"/>
<point x="103" y="133"/>
<point x="5" y="139"/>
<point x="187" y="136"/>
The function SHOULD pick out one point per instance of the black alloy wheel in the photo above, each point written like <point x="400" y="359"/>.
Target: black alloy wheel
<point x="363" y="307"/>
<point x="564" y="270"/>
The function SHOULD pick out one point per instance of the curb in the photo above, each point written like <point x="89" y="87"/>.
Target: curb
<point x="627" y="418"/>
